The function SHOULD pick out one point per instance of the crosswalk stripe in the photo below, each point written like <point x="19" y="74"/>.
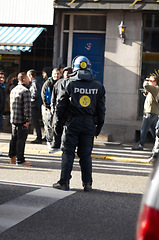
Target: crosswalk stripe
<point x="15" y="211"/>
<point x="99" y="160"/>
<point x="104" y="153"/>
<point x="96" y="165"/>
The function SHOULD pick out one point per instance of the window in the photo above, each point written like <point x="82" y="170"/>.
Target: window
<point x="41" y="54"/>
<point x="150" y="54"/>
<point x="79" y="23"/>
<point x="90" y="22"/>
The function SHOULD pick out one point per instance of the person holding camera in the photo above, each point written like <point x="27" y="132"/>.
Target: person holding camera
<point x="151" y="110"/>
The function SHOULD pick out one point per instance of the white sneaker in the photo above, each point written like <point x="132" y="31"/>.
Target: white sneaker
<point x="0" y="153"/>
<point x="49" y="144"/>
<point x="53" y="150"/>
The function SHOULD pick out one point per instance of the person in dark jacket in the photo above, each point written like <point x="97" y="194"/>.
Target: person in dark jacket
<point x="46" y="73"/>
<point x="54" y="98"/>
<point x="36" y="101"/>
<point x="46" y="93"/>
<point x="83" y="99"/>
<point x="2" y="98"/>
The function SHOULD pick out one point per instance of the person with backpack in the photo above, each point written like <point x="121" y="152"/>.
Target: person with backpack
<point x="46" y="93"/>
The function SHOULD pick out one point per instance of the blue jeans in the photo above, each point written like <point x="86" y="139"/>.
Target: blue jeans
<point x="148" y="123"/>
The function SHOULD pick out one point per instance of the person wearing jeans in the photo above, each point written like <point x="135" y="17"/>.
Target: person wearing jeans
<point x="151" y="111"/>
<point x="47" y="116"/>
<point x="155" y="151"/>
<point x="148" y="123"/>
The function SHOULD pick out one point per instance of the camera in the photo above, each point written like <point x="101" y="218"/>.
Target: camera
<point x="143" y="91"/>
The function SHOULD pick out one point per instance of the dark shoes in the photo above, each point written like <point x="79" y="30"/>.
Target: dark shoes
<point x="61" y="186"/>
<point x="37" y="141"/>
<point x="138" y="147"/>
<point x="65" y="186"/>
<point x="153" y="158"/>
<point x="87" y="187"/>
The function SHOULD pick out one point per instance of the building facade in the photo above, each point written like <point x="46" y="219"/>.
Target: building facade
<point x="120" y="60"/>
<point x="91" y="28"/>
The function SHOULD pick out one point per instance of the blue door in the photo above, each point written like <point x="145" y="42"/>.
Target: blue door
<point x="92" y="46"/>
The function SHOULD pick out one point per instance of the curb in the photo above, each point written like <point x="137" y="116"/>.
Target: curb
<point x="96" y="156"/>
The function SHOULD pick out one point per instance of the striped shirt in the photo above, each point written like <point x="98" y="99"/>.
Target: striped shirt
<point x="20" y="104"/>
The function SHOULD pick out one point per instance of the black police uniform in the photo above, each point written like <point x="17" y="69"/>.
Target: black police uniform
<point x="83" y="99"/>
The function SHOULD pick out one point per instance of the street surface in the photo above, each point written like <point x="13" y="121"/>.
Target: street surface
<point x="31" y="209"/>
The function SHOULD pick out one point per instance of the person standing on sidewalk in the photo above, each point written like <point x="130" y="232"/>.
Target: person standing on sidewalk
<point x="2" y="98"/>
<point x="151" y="111"/>
<point x="83" y="98"/>
<point x="56" y="143"/>
<point x="155" y="150"/>
<point x="20" y="118"/>
<point x="36" y="103"/>
<point x="46" y="93"/>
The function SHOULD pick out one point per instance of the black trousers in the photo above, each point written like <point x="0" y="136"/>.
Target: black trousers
<point x="17" y="142"/>
<point x="79" y="132"/>
<point x="36" y="122"/>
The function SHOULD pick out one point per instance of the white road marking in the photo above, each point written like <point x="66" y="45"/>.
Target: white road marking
<point x="16" y="210"/>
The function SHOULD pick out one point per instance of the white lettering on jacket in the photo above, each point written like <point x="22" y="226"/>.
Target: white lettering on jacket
<point x="85" y="91"/>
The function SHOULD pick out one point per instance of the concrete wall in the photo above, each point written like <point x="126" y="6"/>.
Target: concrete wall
<point x="121" y="75"/>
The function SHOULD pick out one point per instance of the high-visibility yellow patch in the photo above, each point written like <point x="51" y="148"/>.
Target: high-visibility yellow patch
<point x="83" y="65"/>
<point x="85" y="101"/>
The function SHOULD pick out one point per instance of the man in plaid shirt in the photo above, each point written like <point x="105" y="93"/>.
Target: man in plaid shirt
<point x="20" y="118"/>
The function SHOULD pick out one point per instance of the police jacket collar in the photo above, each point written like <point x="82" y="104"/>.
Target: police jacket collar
<point x="83" y="75"/>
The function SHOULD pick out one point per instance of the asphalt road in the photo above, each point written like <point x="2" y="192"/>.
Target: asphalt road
<point x="96" y="215"/>
<point x="31" y="209"/>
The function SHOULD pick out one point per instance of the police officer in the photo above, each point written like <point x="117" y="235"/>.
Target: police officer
<point x="82" y="98"/>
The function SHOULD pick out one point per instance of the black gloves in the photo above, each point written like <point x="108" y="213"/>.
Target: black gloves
<point x="97" y="131"/>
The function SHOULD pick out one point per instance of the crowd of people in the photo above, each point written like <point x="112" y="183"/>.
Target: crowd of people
<point x="72" y="106"/>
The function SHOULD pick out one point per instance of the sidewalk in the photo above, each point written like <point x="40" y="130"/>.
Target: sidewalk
<point x="99" y="144"/>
